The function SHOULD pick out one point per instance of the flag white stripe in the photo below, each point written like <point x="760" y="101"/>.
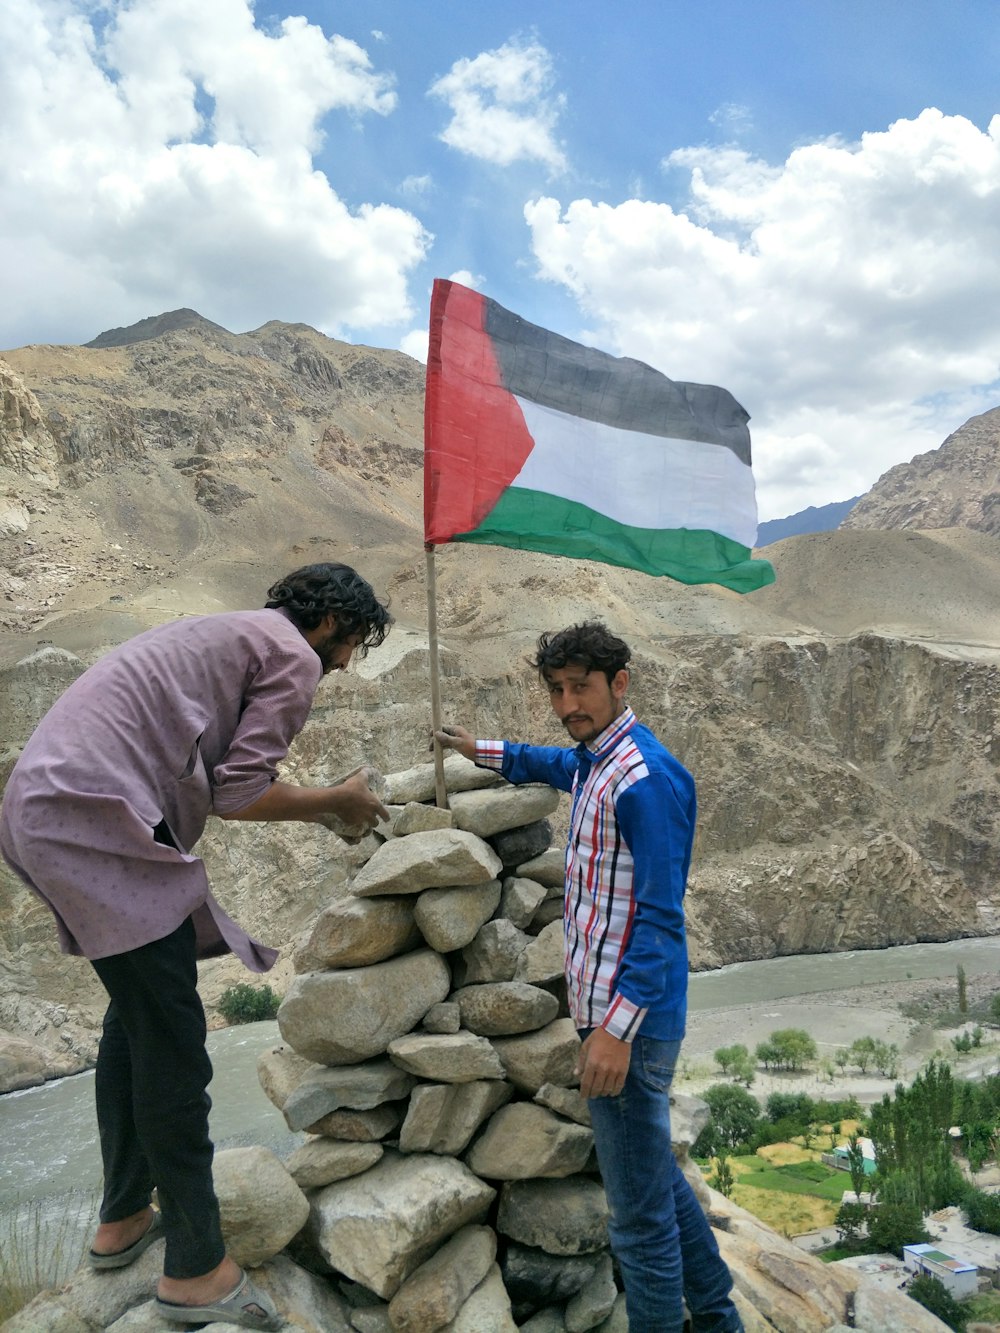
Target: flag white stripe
<point x="642" y="481"/>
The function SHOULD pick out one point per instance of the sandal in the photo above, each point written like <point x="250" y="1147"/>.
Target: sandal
<point x="245" y="1305"/>
<point x="122" y="1258"/>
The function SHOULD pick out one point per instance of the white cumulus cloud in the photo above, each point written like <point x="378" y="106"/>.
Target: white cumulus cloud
<point x="503" y="106"/>
<point x="161" y="152"/>
<point x="847" y="297"/>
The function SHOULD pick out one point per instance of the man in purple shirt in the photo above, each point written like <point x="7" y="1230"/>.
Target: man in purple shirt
<point x="99" y="816"/>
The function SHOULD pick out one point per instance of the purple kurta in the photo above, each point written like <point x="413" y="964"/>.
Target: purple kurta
<point x="185" y="720"/>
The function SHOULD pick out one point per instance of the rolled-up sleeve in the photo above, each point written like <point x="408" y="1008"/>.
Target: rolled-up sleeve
<point x="276" y="704"/>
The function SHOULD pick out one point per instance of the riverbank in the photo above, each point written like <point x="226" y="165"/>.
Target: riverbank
<point x="905" y="1013"/>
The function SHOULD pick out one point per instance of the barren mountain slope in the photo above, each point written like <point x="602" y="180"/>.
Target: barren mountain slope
<point x="842" y="724"/>
<point x="956" y="485"/>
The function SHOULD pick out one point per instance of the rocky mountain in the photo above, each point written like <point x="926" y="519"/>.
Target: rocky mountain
<point x="956" y="485"/>
<point x="842" y="724"/>
<point x="815" y="518"/>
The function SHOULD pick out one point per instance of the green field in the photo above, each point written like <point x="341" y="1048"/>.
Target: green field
<point x="809" y="1177"/>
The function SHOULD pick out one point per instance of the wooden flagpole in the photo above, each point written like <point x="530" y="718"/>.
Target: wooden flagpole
<point x="440" y="789"/>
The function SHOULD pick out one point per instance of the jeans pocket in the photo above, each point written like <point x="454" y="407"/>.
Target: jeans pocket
<point x="657" y="1061"/>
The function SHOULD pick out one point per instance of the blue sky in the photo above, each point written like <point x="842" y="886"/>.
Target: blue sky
<point x="797" y="200"/>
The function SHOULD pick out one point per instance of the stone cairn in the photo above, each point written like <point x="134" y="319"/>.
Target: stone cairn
<point x="429" y="1055"/>
<point x="448" y="1181"/>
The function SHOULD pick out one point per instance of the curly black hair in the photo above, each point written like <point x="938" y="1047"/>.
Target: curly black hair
<point x="590" y="645"/>
<point x="314" y="591"/>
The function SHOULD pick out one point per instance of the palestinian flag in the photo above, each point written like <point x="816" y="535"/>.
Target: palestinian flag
<point x="539" y="443"/>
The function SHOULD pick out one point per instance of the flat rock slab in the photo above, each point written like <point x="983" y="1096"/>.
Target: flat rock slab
<point x="527" y="1142"/>
<point x="356" y="933"/>
<point x="341" y="1018"/>
<point x="496" y="809"/>
<point x="559" y="1216"/>
<point x="321" y="1161"/>
<point x="380" y="1227"/>
<point x="439" y="859"/>
<point x="546" y="1056"/>
<point x="442" y="1117"/>
<point x="418" y="783"/>
<point x="433" y="1295"/>
<point x="459" y="1058"/>
<point x="358" y="1087"/>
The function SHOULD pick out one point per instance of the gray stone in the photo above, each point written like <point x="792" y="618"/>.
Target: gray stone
<point x="371" y="1319"/>
<point x="418" y="784"/>
<point x="487" y="1310"/>
<point x="559" y="1216"/>
<point x="450" y="919"/>
<point x="356" y="933"/>
<point x="341" y="1018"/>
<point x="433" y="1295"/>
<point x="525" y="1142"/>
<point x="549" y="868"/>
<point x="492" y="955"/>
<point x="595" y="1300"/>
<point x="617" y="1320"/>
<point x="550" y="910"/>
<point x="415" y="817"/>
<point x="441" y="859"/>
<point x="460" y="1058"/>
<point x="442" y="1118"/>
<point x="495" y="809"/>
<point x="546" y="1321"/>
<point x="564" y="1101"/>
<point x="543" y="960"/>
<point x="517" y="845"/>
<point x="260" y="1205"/>
<point x="534" y="1278"/>
<point x="688" y="1117"/>
<point x="360" y="1126"/>
<point x="520" y="899"/>
<point x="280" y="1071"/>
<point x="357" y="1087"/>
<point x="379" y="1227"/>
<point x="503" y="1008"/>
<point x="443" y="1018"/>
<point x="322" y="1161"/>
<point x="546" y="1056"/>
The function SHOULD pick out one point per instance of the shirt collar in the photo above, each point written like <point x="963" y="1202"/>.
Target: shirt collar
<point x="612" y="734"/>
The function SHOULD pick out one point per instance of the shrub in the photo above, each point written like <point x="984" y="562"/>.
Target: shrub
<point x="893" y="1225"/>
<point x="248" y="1004"/>
<point x="982" y="1211"/>
<point x="735" y="1113"/>
<point x="935" y="1296"/>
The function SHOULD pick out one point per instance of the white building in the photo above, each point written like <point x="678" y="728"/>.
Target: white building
<point x="960" y="1278"/>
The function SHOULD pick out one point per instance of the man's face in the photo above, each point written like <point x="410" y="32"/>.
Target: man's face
<point x="334" y="651"/>
<point x="584" y="701"/>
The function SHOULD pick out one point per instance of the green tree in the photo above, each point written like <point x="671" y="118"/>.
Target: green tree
<point x="744" y="1071"/>
<point x="728" y="1056"/>
<point x="963" y="990"/>
<point x="893" y="1225"/>
<point x="862" y="1053"/>
<point x="933" y="1295"/>
<point x="723" y="1180"/>
<point x="735" y="1113"/>
<point x="856" y="1164"/>
<point x="982" y="1211"/>
<point x="796" y="1106"/>
<point x="850" y="1223"/>
<point x="995" y="1007"/>
<point x="768" y="1054"/>
<point x="795" y="1046"/>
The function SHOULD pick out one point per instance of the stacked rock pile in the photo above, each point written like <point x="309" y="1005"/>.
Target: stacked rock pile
<point x="429" y="1055"/>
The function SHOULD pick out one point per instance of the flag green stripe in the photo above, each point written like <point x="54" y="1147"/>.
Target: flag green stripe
<point x="535" y="521"/>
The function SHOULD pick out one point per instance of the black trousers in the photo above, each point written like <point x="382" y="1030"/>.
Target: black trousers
<point x="152" y="1104"/>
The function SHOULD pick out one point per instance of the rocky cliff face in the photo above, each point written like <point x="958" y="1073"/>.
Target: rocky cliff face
<point x="842" y="724"/>
<point x="957" y="485"/>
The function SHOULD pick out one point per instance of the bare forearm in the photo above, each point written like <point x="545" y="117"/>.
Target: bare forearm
<point x="287" y="801"/>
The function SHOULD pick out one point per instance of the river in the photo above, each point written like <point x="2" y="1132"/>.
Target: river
<point x="50" y="1137"/>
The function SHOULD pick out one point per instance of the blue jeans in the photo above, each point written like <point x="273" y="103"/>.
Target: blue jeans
<point x="659" y="1233"/>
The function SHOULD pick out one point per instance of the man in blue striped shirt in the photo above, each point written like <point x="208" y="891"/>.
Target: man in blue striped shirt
<point x="627" y="858"/>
